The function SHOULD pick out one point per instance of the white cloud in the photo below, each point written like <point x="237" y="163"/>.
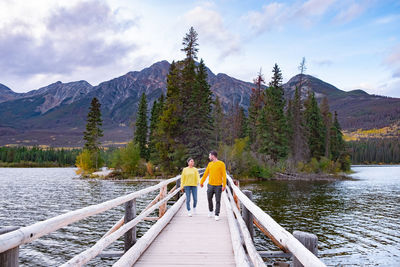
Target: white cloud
<point x="272" y="15"/>
<point x="276" y="14"/>
<point x="323" y="62"/>
<point x="313" y="8"/>
<point x="387" y="19"/>
<point x="389" y="88"/>
<point x="351" y="12"/>
<point x="393" y="61"/>
<point x="210" y="26"/>
<point x="60" y="39"/>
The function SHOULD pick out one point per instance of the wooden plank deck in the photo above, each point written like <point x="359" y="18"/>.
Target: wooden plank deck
<point x="192" y="241"/>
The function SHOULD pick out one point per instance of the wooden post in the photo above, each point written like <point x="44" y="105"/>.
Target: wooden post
<point x="247" y="216"/>
<point x="310" y="241"/>
<point x="130" y="214"/>
<point x="9" y="258"/>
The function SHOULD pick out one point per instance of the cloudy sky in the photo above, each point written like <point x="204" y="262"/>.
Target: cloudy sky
<point x="352" y="44"/>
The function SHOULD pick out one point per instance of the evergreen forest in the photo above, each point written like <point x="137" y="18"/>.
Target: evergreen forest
<point x="37" y="157"/>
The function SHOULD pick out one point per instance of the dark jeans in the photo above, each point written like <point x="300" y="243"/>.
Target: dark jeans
<point x="217" y="190"/>
<point x="193" y="190"/>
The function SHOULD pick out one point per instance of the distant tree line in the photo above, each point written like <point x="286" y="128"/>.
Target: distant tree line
<point x="375" y="151"/>
<point x="35" y="156"/>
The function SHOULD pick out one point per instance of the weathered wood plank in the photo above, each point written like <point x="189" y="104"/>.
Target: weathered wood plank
<point x="130" y="257"/>
<point x="247" y="216"/>
<point x="192" y="241"/>
<point x="9" y="258"/>
<point x="163" y="208"/>
<point x="92" y="252"/>
<point x="251" y="250"/>
<point x="115" y="227"/>
<point x="283" y="237"/>
<point x="130" y="214"/>
<point x="240" y="255"/>
<point x="274" y="254"/>
<point x="310" y="241"/>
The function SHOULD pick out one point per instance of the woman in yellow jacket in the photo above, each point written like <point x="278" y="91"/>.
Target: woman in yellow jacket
<point x="189" y="180"/>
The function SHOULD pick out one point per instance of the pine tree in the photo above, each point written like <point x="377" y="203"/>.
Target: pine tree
<point x="337" y="145"/>
<point x="156" y="113"/>
<point x="93" y="123"/>
<point x="327" y="119"/>
<point x="272" y="130"/>
<point x="236" y="121"/>
<point x="190" y="45"/>
<point x="315" y="127"/>
<point x="190" y="85"/>
<point x="302" y="68"/>
<point x="200" y="120"/>
<point x="256" y="103"/>
<point x="290" y="122"/>
<point x="219" y="121"/>
<point x="169" y="127"/>
<point x="185" y="127"/>
<point x="93" y="131"/>
<point x="140" y="136"/>
<point x="243" y="132"/>
<point x="298" y="142"/>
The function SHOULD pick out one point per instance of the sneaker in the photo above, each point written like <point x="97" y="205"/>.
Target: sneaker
<point x="217" y="218"/>
<point x="189" y="214"/>
<point x="194" y="211"/>
<point x="210" y="214"/>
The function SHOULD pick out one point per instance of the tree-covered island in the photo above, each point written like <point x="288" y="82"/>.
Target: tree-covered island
<point x="274" y="136"/>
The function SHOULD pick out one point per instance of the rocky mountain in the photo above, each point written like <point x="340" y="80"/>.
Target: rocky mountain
<point x="356" y="109"/>
<point x="6" y="93"/>
<point x="56" y="114"/>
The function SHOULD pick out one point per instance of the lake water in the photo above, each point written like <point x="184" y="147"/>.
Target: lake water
<point x="31" y="195"/>
<point x="357" y="222"/>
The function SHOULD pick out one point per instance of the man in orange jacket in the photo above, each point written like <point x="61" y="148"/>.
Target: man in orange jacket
<point x="216" y="183"/>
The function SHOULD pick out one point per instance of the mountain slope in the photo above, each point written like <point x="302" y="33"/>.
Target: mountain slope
<point x="6" y="93"/>
<point x="56" y="114"/>
<point x="356" y="109"/>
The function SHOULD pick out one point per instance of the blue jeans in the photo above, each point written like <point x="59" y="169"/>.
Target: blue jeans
<point x="193" y="190"/>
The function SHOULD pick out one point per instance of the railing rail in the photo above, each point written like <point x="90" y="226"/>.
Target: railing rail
<point x="30" y="233"/>
<point x="92" y="252"/>
<point x="287" y="240"/>
<point x="253" y="255"/>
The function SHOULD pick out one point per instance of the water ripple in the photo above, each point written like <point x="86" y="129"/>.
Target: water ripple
<point x="356" y="222"/>
<point x="31" y="195"/>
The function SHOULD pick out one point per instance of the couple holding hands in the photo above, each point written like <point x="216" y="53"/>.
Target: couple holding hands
<point x="216" y="183"/>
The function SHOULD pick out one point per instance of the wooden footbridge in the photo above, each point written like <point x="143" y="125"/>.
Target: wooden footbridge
<point x="177" y="239"/>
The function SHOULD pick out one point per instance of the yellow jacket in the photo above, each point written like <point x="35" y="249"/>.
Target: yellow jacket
<point x="190" y="177"/>
<point x="217" y="173"/>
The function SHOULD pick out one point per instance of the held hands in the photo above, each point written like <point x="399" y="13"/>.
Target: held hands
<point x="223" y="188"/>
<point x="201" y="185"/>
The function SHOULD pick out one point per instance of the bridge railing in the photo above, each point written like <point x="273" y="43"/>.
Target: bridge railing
<point x="282" y="238"/>
<point x="126" y="225"/>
